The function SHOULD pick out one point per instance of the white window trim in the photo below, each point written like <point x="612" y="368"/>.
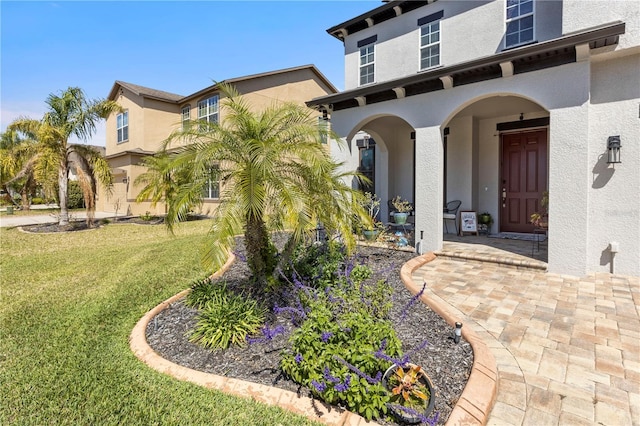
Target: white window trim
<point x="507" y="21"/>
<point x="361" y="66"/>
<point x="118" y="128"/>
<point x="420" y="46"/>
<point x="208" y="107"/>
<point x="187" y="110"/>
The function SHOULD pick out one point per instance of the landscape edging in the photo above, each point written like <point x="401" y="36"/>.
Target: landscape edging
<point x="479" y="395"/>
<point x="290" y="401"/>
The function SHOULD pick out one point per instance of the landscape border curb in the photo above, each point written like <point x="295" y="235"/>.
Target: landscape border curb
<point x="290" y="401"/>
<point x="479" y="394"/>
<point x="472" y="408"/>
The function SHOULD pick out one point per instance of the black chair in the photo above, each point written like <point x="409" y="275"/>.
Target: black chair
<point x="450" y="212"/>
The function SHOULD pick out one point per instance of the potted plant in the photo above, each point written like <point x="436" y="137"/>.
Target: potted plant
<point x="371" y="203"/>
<point x="540" y="219"/>
<point x="485" y="218"/>
<point x="412" y="392"/>
<point x="402" y="209"/>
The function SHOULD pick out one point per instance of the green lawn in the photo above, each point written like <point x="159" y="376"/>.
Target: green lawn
<point x="67" y="305"/>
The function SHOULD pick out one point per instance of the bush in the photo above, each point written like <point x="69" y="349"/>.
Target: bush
<point x="37" y="200"/>
<point x="345" y="341"/>
<point x="75" y="200"/>
<point x="201" y="292"/>
<point x="227" y="319"/>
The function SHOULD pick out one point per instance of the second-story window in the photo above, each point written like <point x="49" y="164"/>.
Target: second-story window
<point x="519" y="22"/>
<point x="186" y="117"/>
<point x="367" y="64"/>
<point x="208" y="109"/>
<point x="430" y="45"/>
<point x="122" y="126"/>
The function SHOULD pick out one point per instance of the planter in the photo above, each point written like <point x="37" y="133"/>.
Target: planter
<point x="484" y="219"/>
<point x="401" y="415"/>
<point x="400" y="218"/>
<point x="371" y="235"/>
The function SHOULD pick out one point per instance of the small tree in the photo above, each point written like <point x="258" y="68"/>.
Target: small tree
<point x="70" y="113"/>
<point x="275" y="174"/>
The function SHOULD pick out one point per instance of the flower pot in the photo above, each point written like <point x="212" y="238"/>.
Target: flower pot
<point x="484" y="219"/>
<point x="370" y="234"/>
<point x="401" y="415"/>
<point x="400" y="218"/>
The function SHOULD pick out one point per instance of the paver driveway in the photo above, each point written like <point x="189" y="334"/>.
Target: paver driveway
<point x="567" y="348"/>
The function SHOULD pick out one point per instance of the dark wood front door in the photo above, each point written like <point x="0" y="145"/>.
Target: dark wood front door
<point x="524" y="179"/>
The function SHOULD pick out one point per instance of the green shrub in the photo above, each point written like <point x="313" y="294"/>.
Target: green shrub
<point x="227" y="319"/>
<point x="147" y="216"/>
<point x="75" y="200"/>
<point x="201" y="292"/>
<point x="37" y="200"/>
<point x="335" y="358"/>
<point x="345" y="327"/>
<point x="319" y="263"/>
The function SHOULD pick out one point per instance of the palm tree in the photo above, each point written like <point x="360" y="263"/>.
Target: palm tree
<point x="160" y="182"/>
<point x="70" y="113"/>
<point x="274" y="174"/>
<point x="16" y="171"/>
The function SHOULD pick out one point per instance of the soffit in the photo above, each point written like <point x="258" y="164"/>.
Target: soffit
<point x="524" y="59"/>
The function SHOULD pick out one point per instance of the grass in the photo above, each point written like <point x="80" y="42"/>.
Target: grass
<point x="67" y="305"/>
<point x="53" y="212"/>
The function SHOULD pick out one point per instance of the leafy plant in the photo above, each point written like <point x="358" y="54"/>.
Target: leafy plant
<point x="147" y="216"/>
<point x="335" y="351"/>
<point x="227" y="319"/>
<point x="407" y="386"/>
<point x="401" y="205"/>
<point x="539" y="218"/>
<point x="202" y="291"/>
<point x="485" y="218"/>
<point x="75" y="198"/>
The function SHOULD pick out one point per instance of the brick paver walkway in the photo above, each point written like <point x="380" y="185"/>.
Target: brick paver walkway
<point x="567" y="348"/>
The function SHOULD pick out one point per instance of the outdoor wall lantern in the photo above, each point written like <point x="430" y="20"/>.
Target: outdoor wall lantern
<point x="613" y="150"/>
<point x="366" y="141"/>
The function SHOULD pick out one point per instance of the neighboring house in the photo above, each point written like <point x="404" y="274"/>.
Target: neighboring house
<point x="72" y="170"/>
<point x="150" y="116"/>
<point x="493" y="103"/>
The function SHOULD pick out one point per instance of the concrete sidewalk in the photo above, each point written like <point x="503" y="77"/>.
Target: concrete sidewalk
<point x="12" y="221"/>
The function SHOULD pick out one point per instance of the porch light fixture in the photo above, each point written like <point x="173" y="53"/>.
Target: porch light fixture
<point x="366" y="141"/>
<point x="613" y="150"/>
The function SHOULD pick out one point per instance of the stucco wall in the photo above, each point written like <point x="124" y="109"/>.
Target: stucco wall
<point x="469" y="30"/>
<point x="614" y="190"/>
<point x="150" y="122"/>
<point x="581" y="14"/>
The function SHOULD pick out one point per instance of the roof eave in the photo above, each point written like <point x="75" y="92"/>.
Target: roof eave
<point x="601" y="32"/>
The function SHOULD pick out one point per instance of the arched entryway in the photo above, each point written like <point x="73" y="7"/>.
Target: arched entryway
<point x="386" y="154"/>
<point x="496" y="152"/>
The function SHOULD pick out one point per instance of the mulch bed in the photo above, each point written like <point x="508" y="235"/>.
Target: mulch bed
<point x="49" y="228"/>
<point x="448" y="364"/>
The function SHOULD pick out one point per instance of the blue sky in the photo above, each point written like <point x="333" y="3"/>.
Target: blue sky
<point x="176" y="46"/>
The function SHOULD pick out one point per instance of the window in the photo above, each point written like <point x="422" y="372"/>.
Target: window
<point x="186" y="116"/>
<point x="212" y="187"/>
<point x="323" y="127"/>
<point x="367" y="57"/>
<point x="122" y="126"/>
<point x="430" y="45"/>
<point x="519" y="22"/>
<point x="208" y="109"/>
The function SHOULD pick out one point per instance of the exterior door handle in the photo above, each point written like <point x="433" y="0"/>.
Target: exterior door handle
<point x="504" y="197"/>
